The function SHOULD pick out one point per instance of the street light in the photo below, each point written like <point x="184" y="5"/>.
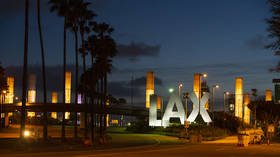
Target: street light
<point x="186" y="97"/>
<point x="171" y="90"/>
<point x="203" y="75"/>
<point x="180" y="86"/>
<point x="225" y="94"/>
<point x="216" y="86"/>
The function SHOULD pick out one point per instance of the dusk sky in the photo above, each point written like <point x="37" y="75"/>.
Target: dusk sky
<point x="174" y="38"/>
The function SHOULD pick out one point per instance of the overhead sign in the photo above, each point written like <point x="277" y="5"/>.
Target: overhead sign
<point x="175" y="100"/>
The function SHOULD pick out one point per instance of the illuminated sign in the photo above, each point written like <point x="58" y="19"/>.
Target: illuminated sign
<point x="175" y="101"/>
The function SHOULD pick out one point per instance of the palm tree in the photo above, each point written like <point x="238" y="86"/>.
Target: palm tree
<point x="45" y="130"/>
<point x="77" y="19"/>
<point x="3" y="87"/>
<point x="73" y="23"/>
<point x="105" y="49"/>
<point x="84" y="17"/>
<point x="62" y="8"/>
<point x="24" y="76"/>
<point x="3" y="82"/>
<point x="274" y="30"/>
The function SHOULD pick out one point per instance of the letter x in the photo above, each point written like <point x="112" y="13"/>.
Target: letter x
<point x="195" y="111"/>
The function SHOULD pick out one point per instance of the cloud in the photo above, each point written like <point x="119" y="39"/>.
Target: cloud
<point x="122" y="89"/>
<point x="134" y="50"/>
<point x="258" y="42"/>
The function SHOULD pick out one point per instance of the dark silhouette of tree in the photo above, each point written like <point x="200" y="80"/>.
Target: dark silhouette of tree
<point x="63" y="8"/>
<point x="267" y="112"/>
<point x="3" y="82"/>
<point x="73" y="24"/>
<point x="24" y="76"/>
<point x="105" y="49"/>
<point x="254" y="109"/>
<point x="274" y="30"/>
<point x="45" y="116"/>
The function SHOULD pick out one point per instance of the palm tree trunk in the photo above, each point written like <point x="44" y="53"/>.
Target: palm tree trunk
<point x="84" y="95"/>
<point x="104" y="104"/>
<point x="63" y="92"/>
<point x="45" y="130"/>
<point x="83" y="50"/>
<point x="76" y="84"/>
<point x="102" y="109"/>
<point x="24" y="76"/>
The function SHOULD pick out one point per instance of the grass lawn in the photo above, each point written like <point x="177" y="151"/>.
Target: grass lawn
<point x="118" y="138"/>
<point x="132" y="139"/>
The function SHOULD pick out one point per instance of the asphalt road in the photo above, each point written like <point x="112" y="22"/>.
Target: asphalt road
<point x="186" y="150"/>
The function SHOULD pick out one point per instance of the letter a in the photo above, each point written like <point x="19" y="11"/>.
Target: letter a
<point x="169" y="113"/>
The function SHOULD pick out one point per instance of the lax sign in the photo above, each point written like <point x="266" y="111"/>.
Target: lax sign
<point x="180" y="113"/>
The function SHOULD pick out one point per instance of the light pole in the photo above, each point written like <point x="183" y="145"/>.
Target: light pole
<point x="203" y="75"/>
<point x="186" y="96"/>
<point x="254" y="93"/>
<point x="216" y="86"/>
<point x="180" y="86"/>
<point x="224" y="108"/>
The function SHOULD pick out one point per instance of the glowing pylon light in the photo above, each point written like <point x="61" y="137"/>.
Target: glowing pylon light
<point x="67" y="91"/>
<point x="54" y="100"/>
<point x="247" y="111"/>
<point x="268" y="95"/>
<point x="10" y="93"/>
<point x="149" y="87"/>
<point x="31" y="94"/>
<point x="239" y="97"/>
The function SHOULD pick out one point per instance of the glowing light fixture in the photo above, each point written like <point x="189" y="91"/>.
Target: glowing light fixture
<point x="26" y="133"/>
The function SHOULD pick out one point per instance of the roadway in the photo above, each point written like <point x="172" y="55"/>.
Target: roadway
<point x="188" y="150"/>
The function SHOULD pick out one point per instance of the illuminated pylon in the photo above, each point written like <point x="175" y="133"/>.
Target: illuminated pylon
<point x="239" y="97"/>
<point x="10" y="93"/>
<point x="31" y="94"/>
<point x="67" y="91"/>
<point x="54" y="100"/>
<point x="197" y="88"/>
<point x="247" y="111"/>
<point x="268" y="95"/>
<point x="159" y="102"/>
<point x="149" y="87"/>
